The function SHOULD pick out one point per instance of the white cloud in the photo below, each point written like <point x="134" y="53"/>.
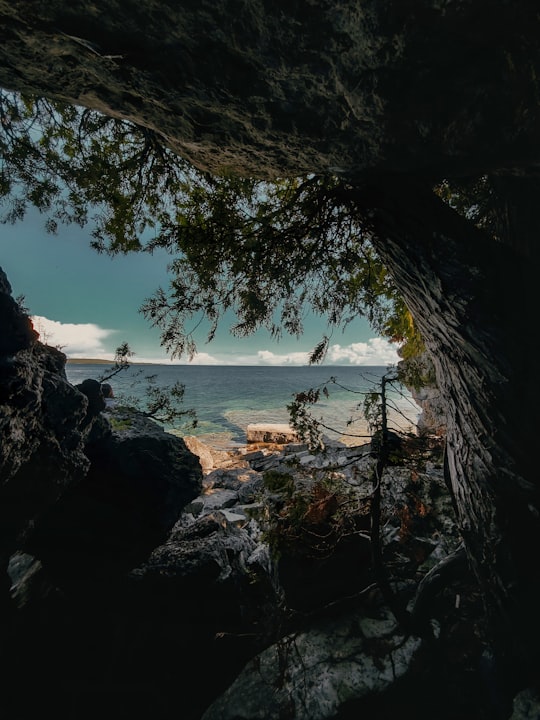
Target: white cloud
<point x="75" y="339"/>
<point x="198" y="359"/>
<point x="267" y="357"/>
<point x="204" y="359"/>
<point x="260" y="357"/>
<point x="88" y="340"/>
<point x="375" y="351"/>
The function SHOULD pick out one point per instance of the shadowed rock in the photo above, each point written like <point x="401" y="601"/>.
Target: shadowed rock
<point x="270" y="89"/>
<point x="140" y="477"/>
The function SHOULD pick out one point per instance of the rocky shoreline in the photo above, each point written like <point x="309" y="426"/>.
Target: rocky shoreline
<point x="148" y="575"/>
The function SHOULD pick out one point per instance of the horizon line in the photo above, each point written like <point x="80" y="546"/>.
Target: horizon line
<point x="103" y="361"/>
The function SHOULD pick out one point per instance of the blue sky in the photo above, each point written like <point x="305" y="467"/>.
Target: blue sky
<point x="88" y="304"/>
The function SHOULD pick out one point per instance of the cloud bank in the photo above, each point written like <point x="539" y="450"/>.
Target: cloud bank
<point x="88" y="340"/>
<point x="74" y="339"/>
<point x="374" y="352"/>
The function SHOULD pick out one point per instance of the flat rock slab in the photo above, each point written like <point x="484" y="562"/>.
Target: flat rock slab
<point x="279" y="433"/>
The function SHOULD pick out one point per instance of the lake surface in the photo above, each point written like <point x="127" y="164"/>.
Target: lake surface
<point x="228" y="398"/>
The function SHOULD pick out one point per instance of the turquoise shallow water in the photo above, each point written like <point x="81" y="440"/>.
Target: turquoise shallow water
<point x="228" y="398"/>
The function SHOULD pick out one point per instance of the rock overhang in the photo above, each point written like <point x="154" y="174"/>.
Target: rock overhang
<point x="432" y="89"/>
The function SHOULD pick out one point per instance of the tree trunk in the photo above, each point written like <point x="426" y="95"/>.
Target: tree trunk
<point x="472" y="298"/>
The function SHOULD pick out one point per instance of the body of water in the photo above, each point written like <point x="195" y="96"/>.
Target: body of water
<point x="228" y="398"/>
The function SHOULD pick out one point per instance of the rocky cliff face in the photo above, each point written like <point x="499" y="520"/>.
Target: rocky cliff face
<point x="68" y="482"/>
<point x="419" y="377"/>
<point x="41" y="441"/>
<point x="278" y="88"/>
<point x="432" y="419"/>
<point x="81" y="504"/>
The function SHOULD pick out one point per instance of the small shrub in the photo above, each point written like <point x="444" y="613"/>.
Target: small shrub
<point x="277" y="482"/>
<point x="309" y="522"/>
<point x="120" y="424"/>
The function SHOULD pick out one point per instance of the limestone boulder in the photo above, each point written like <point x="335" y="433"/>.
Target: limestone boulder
<point x="278" y="433"/>
<point x="209" y="457"/>
<point x="207" y="560"/>
<point x="319" y="673"/>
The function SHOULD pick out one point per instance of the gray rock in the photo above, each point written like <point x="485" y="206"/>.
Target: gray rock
<point x="17" y="331"/>
<point x="313" y="675"/>
<point x="433" y="416"/>
<point x="212" y="563"/>
<point x="279" y="433"/>
<point x="30" y="585"/>
<point x="140" y="454"/>
<point x="235" y="517"/>
<point x="215" y="500"/>
<point x="526" y="705"/>
<point x="231" y="478"/>
<point x="139" y="480"/>
<point x="209" y="457"/>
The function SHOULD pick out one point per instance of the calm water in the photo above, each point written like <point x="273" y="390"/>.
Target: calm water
<point x="228" y="398"/>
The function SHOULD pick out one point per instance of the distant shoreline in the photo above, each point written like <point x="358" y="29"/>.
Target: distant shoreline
<point x="88" y="361"/>
<point x="99" y="361"/>
<point x="158" y="363"/>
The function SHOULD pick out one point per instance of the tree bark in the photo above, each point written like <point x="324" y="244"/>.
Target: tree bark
<point x="472" y="298"/>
